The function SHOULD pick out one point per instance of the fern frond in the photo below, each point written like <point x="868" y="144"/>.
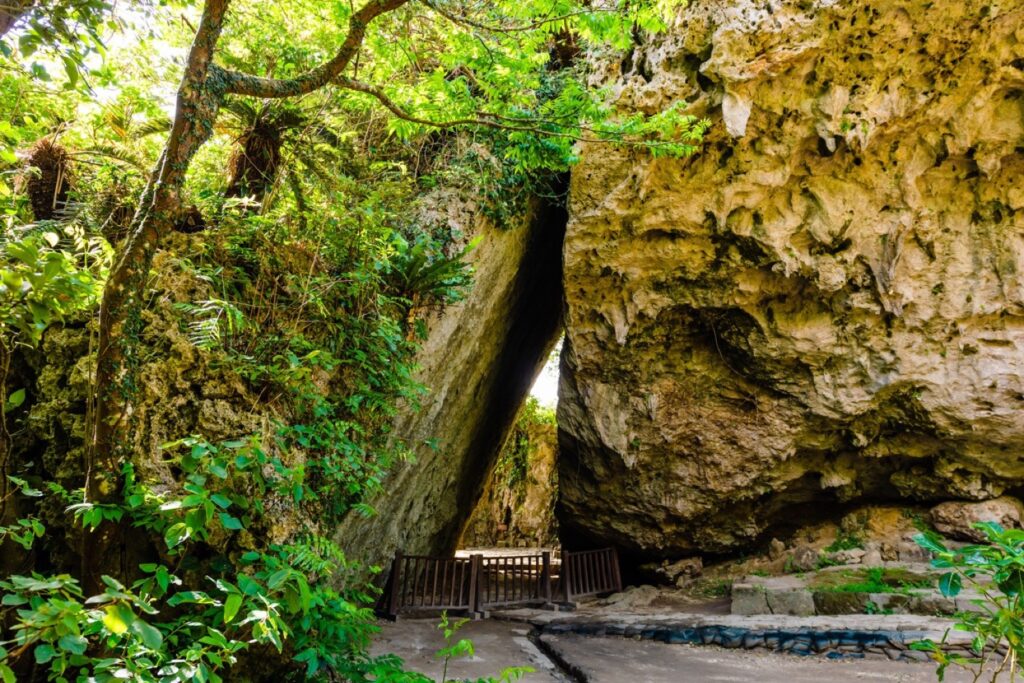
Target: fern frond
<point x="214" y="321"/>
<point x="154" y="126"/>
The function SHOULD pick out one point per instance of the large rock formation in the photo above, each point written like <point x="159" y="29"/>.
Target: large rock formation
<point x="478" y="363"/>
<point x="827" y="303"/>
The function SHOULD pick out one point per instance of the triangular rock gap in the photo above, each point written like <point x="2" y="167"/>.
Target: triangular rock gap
<point x="478" y="364"/>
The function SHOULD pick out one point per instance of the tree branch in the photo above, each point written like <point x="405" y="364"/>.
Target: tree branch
<point x="521" y="28"/>
<point x="12" y="11"/>
<point x="491" y="120"/>
<point x="236" y="83"/>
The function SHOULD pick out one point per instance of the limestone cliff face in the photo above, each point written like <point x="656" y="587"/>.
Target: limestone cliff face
<point x="477" y="365"/>
<point x="827" y="303"/>
<point x="517" y="507"/>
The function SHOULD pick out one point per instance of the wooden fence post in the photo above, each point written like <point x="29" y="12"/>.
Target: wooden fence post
<point x="545" y="577"/>
<point x="396" y="568"/>
<point x="566" y="577"/>
<point x="475" y="565"/>
<point x="615" y="570"/>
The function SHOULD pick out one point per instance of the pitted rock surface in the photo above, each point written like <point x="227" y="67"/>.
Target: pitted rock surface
<point x="826" y="304"/>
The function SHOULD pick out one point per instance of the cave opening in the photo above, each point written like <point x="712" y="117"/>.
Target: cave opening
<point x="517" y="503"/>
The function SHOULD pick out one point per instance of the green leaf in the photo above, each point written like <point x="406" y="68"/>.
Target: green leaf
<point x="74" y="644"/>
<point x="1013" y="583"/>
<point x="950" y="584"/>
<point x="277" y="579"/>
<point x="44" y="653"/>
<point x="931" y="542"/>
<point x="117" y="618"/>
<point x="149" y="634"/>
<point x="14" y="401"/>
<point x="231" y="606"/>
<point x="221" y="501"/>
<point x="230" y="522"/>
<point x="176" y="534"/>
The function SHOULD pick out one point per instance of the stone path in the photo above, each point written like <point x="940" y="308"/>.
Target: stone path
<point x="620" y="660"/>
<point x="498" y="644"/>
<point x="502" y="644"/>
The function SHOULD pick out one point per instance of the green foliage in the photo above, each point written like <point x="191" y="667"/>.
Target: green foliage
<point x="27" y="530"/>
<point x="845" y="542"/>
<point x="45" y="276"/>
<point x="345" y="363"/>
<point x="514" y="459"/>
<point x="158" y="631"/>
<point x="995" y="570"/>
<point x="421" y="273"/>
<point x="66" y="29"/>
<point x="878" y="580"/>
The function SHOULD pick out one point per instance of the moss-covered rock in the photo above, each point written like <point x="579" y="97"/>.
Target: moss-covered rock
<point x="517" y="508"/>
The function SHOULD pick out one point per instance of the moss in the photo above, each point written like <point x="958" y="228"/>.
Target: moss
<point x="826" y="602"/>
<point x="872" y="580"/>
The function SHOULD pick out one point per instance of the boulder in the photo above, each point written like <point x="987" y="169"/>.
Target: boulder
<point x="956" y="519"/>
<point x="749" y="599"/>
<point x="851" y="556"/>
<point x="804" y="559"/>
<point x="825" y="305"/>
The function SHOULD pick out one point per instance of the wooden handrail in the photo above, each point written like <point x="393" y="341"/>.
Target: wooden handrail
<point x="590" y="572"/>
<point x="478" y="583"/>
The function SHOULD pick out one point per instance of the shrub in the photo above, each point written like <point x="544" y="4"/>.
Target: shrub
<point x="996" y="571"/>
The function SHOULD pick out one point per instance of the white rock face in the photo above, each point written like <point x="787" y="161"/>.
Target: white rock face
<point x="827" y="303"/>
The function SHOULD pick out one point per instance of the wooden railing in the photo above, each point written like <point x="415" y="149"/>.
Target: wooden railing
<point x="418" y="582"/>
<point x="515" y="580"/>
<point x="475" y="584"/>
<point x="590" y="572"/>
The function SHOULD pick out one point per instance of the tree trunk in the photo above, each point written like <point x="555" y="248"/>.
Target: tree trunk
<point x="11" y="11"/>
<point x="113" y="424"/>
<point x="200" y="96"/>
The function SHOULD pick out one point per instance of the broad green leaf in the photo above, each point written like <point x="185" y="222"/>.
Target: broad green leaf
<point x="950" y="584"/>
<point x="74" y="644"/>
<point x="231" y="606"/>
<point x="117" y="618"/>
<point x="221" y="501"/>
<point x="149" y="634"/>
<point x="14" y="401"/>
<point x="230" y="522"/>
<point x="44" y="653"/>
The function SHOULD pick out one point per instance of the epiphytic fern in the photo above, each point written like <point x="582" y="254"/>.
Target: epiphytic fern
<point x="213" y="322"/>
